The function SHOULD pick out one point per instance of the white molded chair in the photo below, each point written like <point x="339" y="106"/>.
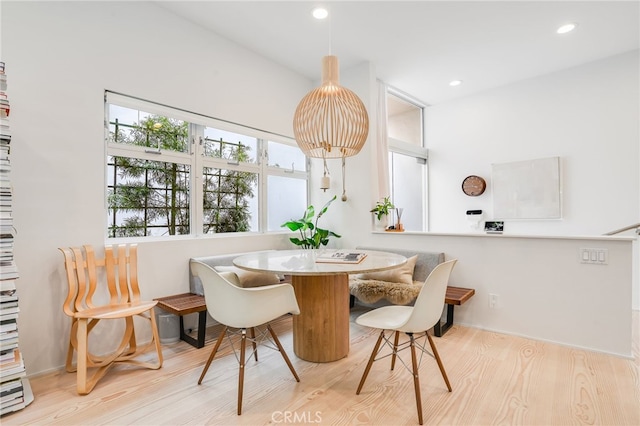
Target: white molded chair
<point x="416" y="319"/>
<point x="244" y="309"/>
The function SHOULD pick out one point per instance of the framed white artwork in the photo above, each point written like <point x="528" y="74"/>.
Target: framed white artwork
<point x="527" y="189"/>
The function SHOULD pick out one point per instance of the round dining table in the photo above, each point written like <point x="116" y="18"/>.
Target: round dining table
<point x="321" y="331"/>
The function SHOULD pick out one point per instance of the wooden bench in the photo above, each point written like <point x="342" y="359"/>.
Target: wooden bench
<point x="183" y="304"/>
<point x="455" y="296"/>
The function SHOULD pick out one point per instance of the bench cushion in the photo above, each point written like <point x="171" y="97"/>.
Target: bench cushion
<point x="424" y="264"/>
<point x="195" y="286"/>
<point x="402" y="274"/>
<point x="249" y="279"/>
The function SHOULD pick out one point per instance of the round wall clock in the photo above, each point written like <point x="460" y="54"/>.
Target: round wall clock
<point x="473" y="185"/>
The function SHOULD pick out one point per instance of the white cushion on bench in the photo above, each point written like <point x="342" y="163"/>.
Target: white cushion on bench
<point x="249" y="279"/>
<point x="195" y="286"/>
<point x="402" y="274"/>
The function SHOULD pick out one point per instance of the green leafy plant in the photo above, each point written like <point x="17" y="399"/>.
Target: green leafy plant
<point x="383" y="208"/>
<point x="311" y="237"/>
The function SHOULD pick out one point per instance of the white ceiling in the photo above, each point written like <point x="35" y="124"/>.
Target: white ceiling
<point x="419" y="46"/>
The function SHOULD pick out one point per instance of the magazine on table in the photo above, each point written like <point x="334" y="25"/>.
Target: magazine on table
<point x="341" y="256"/>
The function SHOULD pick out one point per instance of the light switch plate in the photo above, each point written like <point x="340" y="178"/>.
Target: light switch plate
<point x="594" y="256"/>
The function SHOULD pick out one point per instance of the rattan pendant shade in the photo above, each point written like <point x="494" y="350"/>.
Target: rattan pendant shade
<point x="330" y="121"/>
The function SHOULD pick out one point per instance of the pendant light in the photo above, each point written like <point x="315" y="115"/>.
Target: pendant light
<point x="330" y="121"/>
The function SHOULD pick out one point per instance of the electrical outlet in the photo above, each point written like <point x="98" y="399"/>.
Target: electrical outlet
<point x="493" y="301"/>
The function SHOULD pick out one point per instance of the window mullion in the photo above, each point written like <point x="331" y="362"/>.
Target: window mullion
<point x="263" y="156"/>
<point x="140" y="153"/>
<point x="197" y="198"/>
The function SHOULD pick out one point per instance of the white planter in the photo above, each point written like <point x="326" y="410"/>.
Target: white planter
<point x="382" y="224"/>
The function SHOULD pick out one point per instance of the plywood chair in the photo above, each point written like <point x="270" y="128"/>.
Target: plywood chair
<point x="85" y="276"/>
<point x="411" y="320"/>
<point x="244" y="309"/>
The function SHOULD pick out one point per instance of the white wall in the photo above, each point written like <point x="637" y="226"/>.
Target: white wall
<point x="588" y="115"/>
<point x="60" y="57"/>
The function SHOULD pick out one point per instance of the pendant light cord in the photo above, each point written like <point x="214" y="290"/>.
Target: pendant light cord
<point x="344" y="188"/>
<point x="330" y="19"/>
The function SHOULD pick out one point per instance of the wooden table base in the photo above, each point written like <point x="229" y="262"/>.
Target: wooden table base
<point x="321" y="331"/>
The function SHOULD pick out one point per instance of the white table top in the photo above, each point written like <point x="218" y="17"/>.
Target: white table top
<point x="303" y="262"/>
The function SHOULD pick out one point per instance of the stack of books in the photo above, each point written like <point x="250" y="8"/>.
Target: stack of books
<point x="6" y="223"/>
<point x="340" y="256"/>
<point x="15" y="392"/>
<point x="8" y="320"/>
<point x="4" y="101"/>
<point x="12" y="389"/>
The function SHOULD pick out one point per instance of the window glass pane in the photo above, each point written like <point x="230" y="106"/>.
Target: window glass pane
<point x="147" y="198"/>
<point x="404" y="120"/>
<point x="133" y="127"/>
<point x="286" y="156"/>
<point x="287" y="200"/>
<point x="230" y="201"/>
<point x="407" y="186"/>
<point x="230" y="146"/>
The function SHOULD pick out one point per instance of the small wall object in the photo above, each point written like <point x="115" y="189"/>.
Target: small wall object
<point x="474" y="217"/>
<point x="494" y="227"/>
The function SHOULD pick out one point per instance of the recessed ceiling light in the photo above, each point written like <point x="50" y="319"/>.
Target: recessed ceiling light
<point x="566" y="28"/>
<point x="455" y="83"/>
<point x="320" y="13"/>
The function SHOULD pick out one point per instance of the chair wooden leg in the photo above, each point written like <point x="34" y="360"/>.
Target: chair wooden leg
<point x="73" y="333"/>
<point x="73" y="344"/>
<point x="416" y="379"/>
<point x="370" y="363"/>
<point x="213" y="353"/>
<point x="395" y="349"/>
<point x="82" y="339"/>
<point x="437" y="357"/>
<point x="252" y="334"/>
<point x="133" y="345"/>
<point x="156" y="338"/>
<point x="282" y="352"/>
<point x="243" y="345"/>
<point x="86" y="360"/>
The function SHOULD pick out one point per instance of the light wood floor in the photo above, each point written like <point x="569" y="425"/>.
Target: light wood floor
<point x="496" y="379"/>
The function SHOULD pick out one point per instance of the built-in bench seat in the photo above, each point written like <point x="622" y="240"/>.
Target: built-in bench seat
<point x="368" y="291"/>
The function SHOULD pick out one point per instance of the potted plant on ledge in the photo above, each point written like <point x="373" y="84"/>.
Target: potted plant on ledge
<point x="311" y="237"/>
<point x="382" y="210"/>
